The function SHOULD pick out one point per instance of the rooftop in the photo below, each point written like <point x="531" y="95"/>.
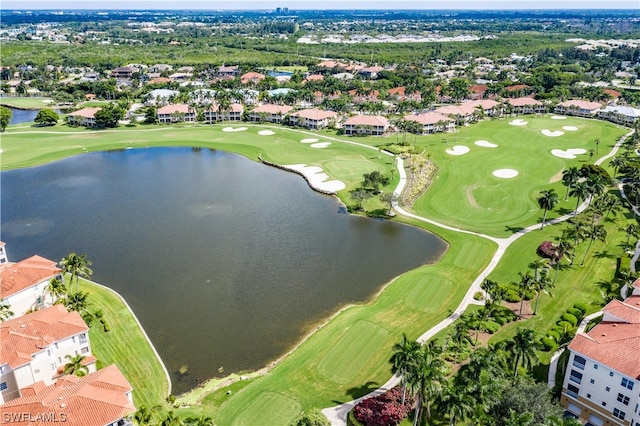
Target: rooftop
<point x="15" y="277"/>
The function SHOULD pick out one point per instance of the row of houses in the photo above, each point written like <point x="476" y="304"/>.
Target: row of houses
<point x="36" y="344"/>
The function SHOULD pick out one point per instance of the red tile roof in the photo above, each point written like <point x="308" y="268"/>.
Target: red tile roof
<point x="428" y="118"/>
<point x="613" y="93"/>
<point x="171" y="109"/>
<point x="85" y="112"/>
<point x="516" y="87"/>
<point x="579" y="103"/>
<point x="315" y="77"/>
<point x="98" y="398"/>
<point x="29" y="334"/>
<point x="367" y="120"/>
<point x="397" y="91"/>
<point x="519" y="102"/>
<point x="160" y="80"/>
<point x="478" y="88"/>
<point x="251" y="76"/>
<point x="234" y="107"/>
<point x="614" y="343"/>
<point x="15" y="277"/>
<point x="272" y="109"/>
<point x="314" y="114"/>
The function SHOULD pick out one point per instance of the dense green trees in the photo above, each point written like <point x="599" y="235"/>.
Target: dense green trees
<point x="5" y="118"/>
<point x="109" y="115"/>
<point x="47" y="117"/>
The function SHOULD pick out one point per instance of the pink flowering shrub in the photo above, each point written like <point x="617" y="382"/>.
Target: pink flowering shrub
<point x="385" y="409"/>
<point x="550" y="251"/>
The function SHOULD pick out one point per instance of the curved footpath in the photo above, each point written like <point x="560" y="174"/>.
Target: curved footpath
<point x="338" y="415"/>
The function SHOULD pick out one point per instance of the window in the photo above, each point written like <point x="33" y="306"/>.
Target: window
<point x="56" y="345"/>
<point x="595" y="366"/>
<point x="59" y="360"/>
<point x="575" y="377"/>
<point x="85" y="350"/>
<point x="624" y="399"/>
<point x="579" y="362"/>
<point x="607" y="388"/>
<point x="36" y="371"/>
<point x="611" y="373"/>
<point x="619" y="414"/>
<point x="626" y="383"/>
<point x="3" y="386"/>
<point x="572" y="390"/>
<point x="53" y="367"/>
<point x="592" y="381"/>
<point x="589" y="395"/>
<point x="604" y="404"/>
<point x="73" y="339"/>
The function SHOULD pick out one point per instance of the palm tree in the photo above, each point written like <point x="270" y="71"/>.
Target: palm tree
<point x="456" y="403"/>
<point x="198" y="421"/>
<point x="596" y="232"/>
<point x="76" y="302"/>
<point x="526" y="283"/>
<point x="569" y="178"/>
<point x="145" y="416"/>
<point x="404" y="356"/>
<point x="565" y="248"/>
<point x="542" y="284"/>
<point x="75" y="366"/>
<point x="56" y="289"/>
<point x="616" y="163"/>
<point x="547" y="201"/>
<point x="460" y="338"/>
<point x="425" y="378"/>
<point x="171" y="419"/>
<point x="5" y="310"/>
<point x="523" y="349"/>
<point x="77" y="266"/>
<point x="631" y="230"/>
<point x="596" y="185"/>
<point x="580" y="190"/>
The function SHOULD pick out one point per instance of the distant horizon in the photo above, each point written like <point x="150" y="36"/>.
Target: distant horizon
<point x="246" y="5"/>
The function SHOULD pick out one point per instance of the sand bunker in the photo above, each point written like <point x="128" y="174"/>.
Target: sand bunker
<point x="486" y="144"/>
<point x="316" y="178"/>
<point x="234" y="129"/>
<point x="458" y="150"/>
<point x="553" y="134"/>
<point x="569" y="153"/>
<point x="48" y="101"/>
<point x="570" y="128"/>
<point x="309" y="140"/>
<point x="505" y="173"/>
<point x="266" y="133"/>
<point x="558" y="117"/>
<point x="320" y="145"/>
<point x="518" y="122"/>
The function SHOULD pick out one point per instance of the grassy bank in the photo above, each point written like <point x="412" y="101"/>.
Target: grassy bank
<point x="26" y="103"/>
<point x="126" y="346"/>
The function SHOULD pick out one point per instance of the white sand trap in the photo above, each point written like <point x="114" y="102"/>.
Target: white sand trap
<point x="320" y="145"/>
<point x="458" y="150"/>
<point x="505" y="173"/>
<point x="558" y="117"/>
<point x="518" y="122"/>
<point x="309" y="140"/>
<point x="234" y="129"/>
<point x="569" y="153"/>
<point x="551" y="134"/>
<point x="316" y="178"/>
<point x="48" y="101"/>
<point x="570" y="128"/>
<point x="266" y="133"/>
<point x="486" y="144"/>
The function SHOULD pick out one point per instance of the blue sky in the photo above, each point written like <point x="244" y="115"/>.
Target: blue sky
<point x="321" y="4"/>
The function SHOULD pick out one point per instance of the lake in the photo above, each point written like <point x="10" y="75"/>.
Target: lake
<point x="24" y="115"/>
<point x="226" y="262"/>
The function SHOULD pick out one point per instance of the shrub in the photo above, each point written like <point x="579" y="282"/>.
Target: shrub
<point x="548" y="250"/>
<point x="478" y="295"/>
<point x="570" y="319"/>
<point x="511" y="296"/>
<point x="565" y="325"/>
<point x="383" y="410"/>
<point x="312" y="418"/>
<point x="557" y="330"/>
<point x="552" y="334"/>
<point x="500" y="320"/>
<point x="581" y="306"/>
<point x="548" y="344"/>
<point x="491" y="327"/>
<point x="576" y="313"/>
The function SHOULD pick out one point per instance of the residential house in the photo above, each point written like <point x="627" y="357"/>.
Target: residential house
<point x="176" y="113"/>
<point x="124" y="73"/>
<point x="34" y="348"/>
<point x="374" y="125"/>
<point x="526" y="105"/>
<point x="371" y="72"/>
<point x="103" y="397"/>
<point x="312" y="118"/>
<point x="518" y="90"/>
<point x="251" y="78"/>
<point x="227" y="71"/>
<point x="400" y="94"/>
<point x="160" y="96"/>
<point x="624" y="115"/>
<point x="180" y="76"/>
<point x="433" y="122"/>
<point x="269" y="113"/>
<point x="602" y="381"/>
<point x="313" y="77"/>
<point x="462" y="115"/>
<point x="477" y="91"/>
<point x="160" y="68"/>
<point x="23" y="284"/>
<point x="160" y="80"/>
<point x="488" y="106"/>
<point x="578" y="107"/>
<point x="613" y="94"/>
<point x="83" y="117"/>
<point x="233" y="113"/>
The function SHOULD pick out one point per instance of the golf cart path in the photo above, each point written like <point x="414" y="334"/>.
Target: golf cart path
<point x="337" y="415"/>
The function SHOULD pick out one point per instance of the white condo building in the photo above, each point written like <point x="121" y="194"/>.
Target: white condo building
<point x="602" y="382"/>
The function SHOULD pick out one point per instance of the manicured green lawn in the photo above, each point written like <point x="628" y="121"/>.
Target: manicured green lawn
<point x="26" y="103"/>
<point x="126" y="346"/>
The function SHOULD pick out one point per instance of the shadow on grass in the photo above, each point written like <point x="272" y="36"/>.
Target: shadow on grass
<point x="362" y="390"/>
<point x="563" y="211"/>
<point x="514" y="229"/>
<point x="604" y="255"/>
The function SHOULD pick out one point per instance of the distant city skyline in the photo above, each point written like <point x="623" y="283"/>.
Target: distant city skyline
<point x="320" y="4"/>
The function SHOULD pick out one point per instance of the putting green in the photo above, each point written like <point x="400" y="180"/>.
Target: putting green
<point x="342" y="363"/>
<point x="269" y="408"/>
<point x="430" y="292"/>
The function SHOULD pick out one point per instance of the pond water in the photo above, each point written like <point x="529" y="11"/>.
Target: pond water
<point x="24" y="115"/>
<point x="226" y="262"/>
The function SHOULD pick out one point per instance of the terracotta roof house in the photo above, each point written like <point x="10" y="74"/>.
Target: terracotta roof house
<point x="603" y="374"/>
<point x="578" y="107"/>
<point x="251" y="78"/>
<point x="312" y="118"/>
<point x="314" y="77"/>
<point x="83" y="117"/>
<point x="432" y="122"/>
<point x="35" y="346"/>
<point x="477" y="91"/>
<point x="331" y="65"/>
<point x="100" y="398"/>
<point x="526" y="105"/>
<point x="233" y="113"/>
<point x="374" y="125"/>
<point x="489" y="106"/>
<point x="23" y="284"/>
<point x="613" y="94"/>
<point x="159" y="80"/>
<point x="269" y="113"/>
<point x="176" y="113"/>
